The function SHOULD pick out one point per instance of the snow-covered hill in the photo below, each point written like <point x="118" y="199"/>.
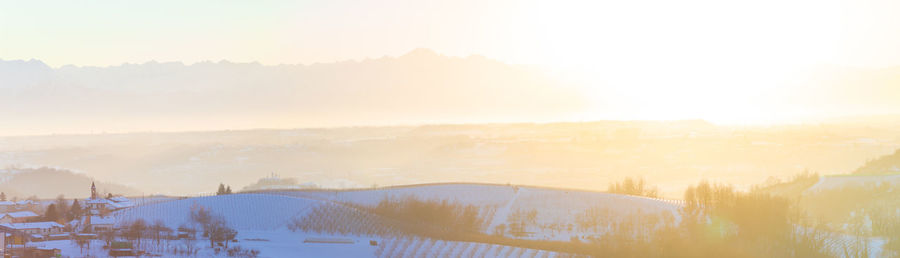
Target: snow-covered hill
<point x="242" y="211"/>
<point x="262" y="219"/>
<point x="556" y="209"/>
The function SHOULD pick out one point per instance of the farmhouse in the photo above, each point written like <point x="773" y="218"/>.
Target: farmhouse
<point x="34" y="230"/>
<point x="96" y="223"/>
<point x="17" y="217"/>
<point x="7" y="206"/>
<point x="26" y="205"/>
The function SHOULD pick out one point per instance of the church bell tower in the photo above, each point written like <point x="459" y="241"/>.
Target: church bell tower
<point x="93" y="191"/>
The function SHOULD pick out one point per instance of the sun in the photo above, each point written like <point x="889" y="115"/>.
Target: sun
<point x="716" y="60"/>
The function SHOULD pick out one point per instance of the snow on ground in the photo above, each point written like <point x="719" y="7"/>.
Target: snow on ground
<point x="261" y="218"/>
<point x="269" y="243"/>
<point x="561" y="207"/>
<point x="498" y="202"/>
<point x="419" y="247"/>
<point x="841" y="245"/>
<point x="145" y="200"/>
<point x="837" y="182"/>
<point x="502" y="213"/>
<point x="241" y="211"/>
<point x="290" y="244"/>
<point x="68" y="248"/>
<point x="476" y="194"/>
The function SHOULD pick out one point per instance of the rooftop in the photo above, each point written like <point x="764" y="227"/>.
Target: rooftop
<point x="32" y="225"/>
<point x="19" y="214"/>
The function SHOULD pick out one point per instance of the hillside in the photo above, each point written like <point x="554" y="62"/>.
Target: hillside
<point x="48" y="183"/>
<point x="242" y="211"/>
<point x="274" y="222"/>
<point x="555" y="213"/>
<point x="587" y="155"/>
<point x="887" y="164"/>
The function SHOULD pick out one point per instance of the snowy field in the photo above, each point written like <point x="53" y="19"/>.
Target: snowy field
<point x="499" y="203"/>
<point x="262" y="219"/>
<point x="242" y="211"/>
<point x="270" y="244"/>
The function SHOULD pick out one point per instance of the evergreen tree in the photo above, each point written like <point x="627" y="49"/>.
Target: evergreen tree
<point x="74" y="211"/>
<point x="221" y="190"/>
<point x="228" y="190"/>
<point x="62" y="207"/>
<point x="50" y="214"/>
<point x="2" y="196"/>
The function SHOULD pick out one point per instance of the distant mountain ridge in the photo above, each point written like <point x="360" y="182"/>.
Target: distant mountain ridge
<point x="421" y="86"/>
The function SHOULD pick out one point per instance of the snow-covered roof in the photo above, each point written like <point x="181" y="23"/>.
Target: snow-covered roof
<point x="6" y="203"/>
<point x="119" y="199"/>
<point x="97" y="220"/>
<point x="32" y="225"/>
<point x="114" y="202"/>
<point x="121" y="205"/>
<point x="98" y="200"/>
<point x="24" y="202"/>
<point x="19" y="214"/>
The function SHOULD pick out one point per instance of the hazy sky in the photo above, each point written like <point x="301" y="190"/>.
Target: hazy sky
<point x="857" y="32"/>
<point x="677" y="49"/>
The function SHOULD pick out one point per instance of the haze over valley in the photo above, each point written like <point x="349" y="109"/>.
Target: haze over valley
<point x="586" y="155"/>
<point x="465" y="128"/>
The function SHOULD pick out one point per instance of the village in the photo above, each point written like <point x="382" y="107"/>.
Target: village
<point x="79" y="220"/>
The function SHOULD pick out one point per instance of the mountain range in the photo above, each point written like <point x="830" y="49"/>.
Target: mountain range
<point x="419" y="87"/>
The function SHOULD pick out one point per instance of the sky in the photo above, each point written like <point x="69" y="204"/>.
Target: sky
<point x="691" y="54"/>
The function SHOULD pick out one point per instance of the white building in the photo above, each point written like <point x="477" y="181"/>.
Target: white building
<point x="17" y="217"/>
<point x="7" y="206"/>
<point x="99" y="223"/>
<point x="39" y="230"/>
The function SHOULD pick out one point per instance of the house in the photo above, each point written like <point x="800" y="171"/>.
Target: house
<point x="34" y="230"/>
<point x="96" y="223"/>
<point x="26" y="205"/>
<point x="17" y="217"/>
<point x="7" y="206"/>
<point x="101" y="206"/>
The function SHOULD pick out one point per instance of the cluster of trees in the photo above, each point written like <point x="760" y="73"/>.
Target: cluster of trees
<point x="433" y="215"/>
<point x="519" y="220"/>
<point x="716" y="221"/>
<point x="719" y="221"/>
<point x="3" y="198"/>
<point x="214" y="226"/>
<point x="338" y="219"/>
<point x="865" y="210"/>
<point x="135" y="232"/>
<point x="61" y="211"/>
<point x="223" y="189"/>
<point x="637" y="187"/>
